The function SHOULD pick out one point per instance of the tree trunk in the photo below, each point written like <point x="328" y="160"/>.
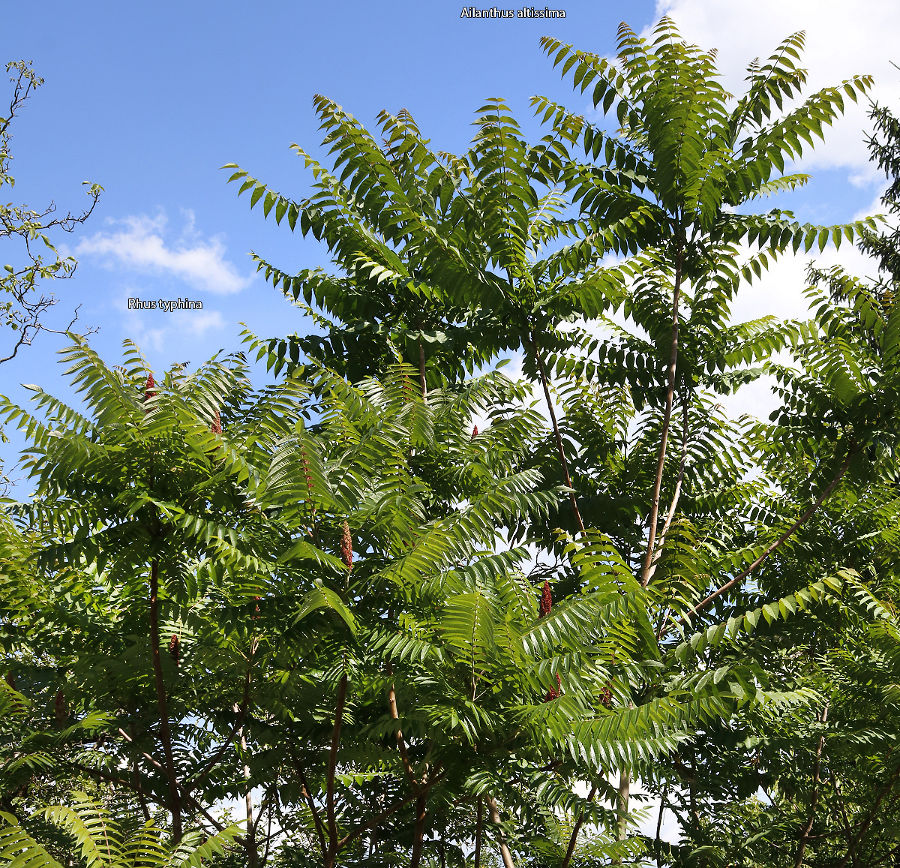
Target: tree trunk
<point x="165" y="735"/>
<point x="419" y="833"/>
<point x="623" y="797"/>
<point x="422" y="369"/>
<point x="667" y="418"/>
<point x="817" y="768"/>
<point x="250" y="839"/>
<point x="331" y="855"/>
<point x="573" y="840"/>
<point x="478" y="827"/>
<point x="504" y="850"/>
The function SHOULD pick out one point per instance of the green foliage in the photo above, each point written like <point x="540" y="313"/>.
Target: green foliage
<point x="99" y="841"/>
<point x="401" y="642"/>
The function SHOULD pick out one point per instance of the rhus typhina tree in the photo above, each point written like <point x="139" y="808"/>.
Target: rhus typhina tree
<point x="353" y="636"/>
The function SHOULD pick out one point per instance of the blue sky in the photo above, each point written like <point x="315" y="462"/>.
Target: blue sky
<point x="149" y="100"/>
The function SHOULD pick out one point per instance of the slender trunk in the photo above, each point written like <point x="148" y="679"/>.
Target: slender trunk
<point x="559" y="444"/>
<point x="136" y="777"/>
<point x="623" y="796"/>
<point x="817" y="768"/>
<point x="374" y="822"/>
<point x="401" y="742"/>
<point x="164" y="732"/>
<point x="495" y="819"/>
<point x="667" y="417"/>
<point x="419" y="833"/>
<point x="307" y="795"/>
<point x="331" y="855"/>
<point x="676" y="496"/>
<point x="573" y="840"/>
<point x="657" y="843"/>
<point x="775" y="545"/>
<point x="422" y="369"/>
<point x="478" y="826"/>
<point x="250" y="841"/>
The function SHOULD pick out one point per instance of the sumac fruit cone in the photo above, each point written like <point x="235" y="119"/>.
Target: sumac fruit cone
<point x="347" y="547"/>
<point x="474" y="432"/>
<point x="546" y="599"/>
<point x="216" y="426"/>
<point x="60" y="709"/>
<point x="175" y="649"/>
<point x="150" y="388"/>
<point x="554" y="692"/>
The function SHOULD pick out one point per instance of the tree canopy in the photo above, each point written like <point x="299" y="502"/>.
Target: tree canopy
<point x="409" y="610"/>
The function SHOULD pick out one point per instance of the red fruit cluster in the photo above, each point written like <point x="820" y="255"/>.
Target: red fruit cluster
<point x="554" y="692"/>
<point x="474" y="432"/>
<point x="546" y="599"/>
<point x="216" y="426"/>
<point x="149" y="389"/>
<point x="175" y="649"/>
<point x="606" y="697"/>
<point x="60" y="709"/>
<point x="347" y="547"/>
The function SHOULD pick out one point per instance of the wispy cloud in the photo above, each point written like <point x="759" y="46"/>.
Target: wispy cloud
<point x="142" y="244"/>
<point x="841" y="42"/>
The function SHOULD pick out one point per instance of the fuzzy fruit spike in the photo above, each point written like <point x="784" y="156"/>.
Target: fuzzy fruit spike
<point x="554" y="692"/>
<point x="606" y="697"/>
<point x="175" y="648"/>
<point x="546" y="599"/>
<point x="216" y="426"/>
<point x="474" y="432"/>
<point x="149" y="390"/>
<point x="60" y="711"/>
<point x="347" y="547"/>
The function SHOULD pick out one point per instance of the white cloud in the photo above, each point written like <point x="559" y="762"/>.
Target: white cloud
<point x="140" y="243"/>
<point x="842" y="40"/>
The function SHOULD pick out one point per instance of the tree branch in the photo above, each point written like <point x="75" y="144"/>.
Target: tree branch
<point x="559" y="444"/>
<point x="667" y="415"/>
<point x="804" y="837"/>
<point x="777" y="544"/>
